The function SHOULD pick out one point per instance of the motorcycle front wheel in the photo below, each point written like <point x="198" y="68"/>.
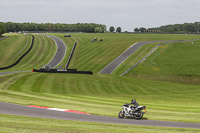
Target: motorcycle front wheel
<point x="121" y="114"/>
<point x="139" y="116"/>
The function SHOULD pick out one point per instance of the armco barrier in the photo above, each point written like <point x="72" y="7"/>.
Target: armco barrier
<point x="7" y="67"/>
<point x="74" y="71"/>
<point x="70" y="57"/>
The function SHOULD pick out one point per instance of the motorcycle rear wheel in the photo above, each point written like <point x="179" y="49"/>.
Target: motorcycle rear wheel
<point x="121" y="114"/>
<point x="138" y="117"/>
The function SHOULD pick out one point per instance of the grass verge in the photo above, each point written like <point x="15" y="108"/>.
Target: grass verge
<point x="22" y="124"/>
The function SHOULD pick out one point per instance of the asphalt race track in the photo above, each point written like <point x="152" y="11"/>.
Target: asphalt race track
<point x="120" y="59"/>
<point x="13" y="109"/>
<point x="61" y="50"/>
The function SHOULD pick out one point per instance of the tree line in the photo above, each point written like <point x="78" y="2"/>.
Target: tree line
<point x="79" y="27"/>
<point x="191" y="28"/>
<point x="2" y="29"/>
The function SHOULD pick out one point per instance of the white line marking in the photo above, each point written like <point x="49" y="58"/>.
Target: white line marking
<point x="57" y="109"/>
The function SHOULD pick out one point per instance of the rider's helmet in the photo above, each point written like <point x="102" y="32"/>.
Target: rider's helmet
<point x="133" y="101"/>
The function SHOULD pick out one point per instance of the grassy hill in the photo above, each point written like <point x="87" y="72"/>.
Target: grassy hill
<point x="42" y="53"/>
<point x="94" y="56"/>
<point x="174" y="62"/>
<point x="12" y="48"/>
<point x="153" y="83"/>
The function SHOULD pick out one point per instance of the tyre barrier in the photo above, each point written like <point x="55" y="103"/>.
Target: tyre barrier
<point x="74" y="71"/>
<point x="70" y="57"/>
<point x="14" y="64"/>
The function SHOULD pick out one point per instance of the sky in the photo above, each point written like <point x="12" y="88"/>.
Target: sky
<point x="127" y="14"/>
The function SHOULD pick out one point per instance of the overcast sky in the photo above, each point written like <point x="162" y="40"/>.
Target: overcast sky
<point x="128" y="14"/>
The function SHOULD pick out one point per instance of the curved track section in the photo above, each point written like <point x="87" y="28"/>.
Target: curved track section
<point x="13" y="109"/>
<point x="60" y="54"/>
<point x="120" y="59"/>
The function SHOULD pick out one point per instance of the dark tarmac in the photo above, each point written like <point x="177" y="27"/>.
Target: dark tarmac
<point x="13" y="109"/>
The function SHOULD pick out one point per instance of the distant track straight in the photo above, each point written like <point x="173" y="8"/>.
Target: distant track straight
<point x="120" y="59"/>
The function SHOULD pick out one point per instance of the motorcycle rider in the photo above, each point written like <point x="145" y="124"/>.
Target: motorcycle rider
<point x="133" y="101"/>
<point x="135" y="105"/>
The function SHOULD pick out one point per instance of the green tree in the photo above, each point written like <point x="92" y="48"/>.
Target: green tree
<point x="103" y="27"/>
<point x="112" y="29"/>
<point x="136" y="30"/>
<point x="2" y="29"/>
<point x="142" y="29"/>
<point x="119" y="29"/>
<point x="79" y="27"/>
<point x="98" y="30"/>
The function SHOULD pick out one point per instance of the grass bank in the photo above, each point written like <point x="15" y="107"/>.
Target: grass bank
<point x="94" y="56"/>
<point x="174" y="62"/>
<point x="12" y="47"/>
<point x="41" y="54"/>
<point x="103" y="94"/>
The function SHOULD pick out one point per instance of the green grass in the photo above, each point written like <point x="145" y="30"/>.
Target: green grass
<point x="134" y="58"/>
<point x="12" y="48"/>
<point x="150" y="83"/>
<point x="103" y="94"/>
<point x="174" y="62"/>
<point x="94" y="56"/>
<point x="41" y="54"/>
<point x="22" y="124"/>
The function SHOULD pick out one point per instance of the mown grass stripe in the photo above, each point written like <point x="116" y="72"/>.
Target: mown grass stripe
<point x="34" y="59"/>
<point x="9" y="47"/>
<point x="21" y="51"/>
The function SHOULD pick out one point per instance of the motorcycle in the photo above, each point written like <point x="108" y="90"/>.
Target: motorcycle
<point x="132" y="112"/>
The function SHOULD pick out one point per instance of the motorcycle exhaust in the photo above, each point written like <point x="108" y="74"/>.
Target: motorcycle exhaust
<point x="144" y="108"/>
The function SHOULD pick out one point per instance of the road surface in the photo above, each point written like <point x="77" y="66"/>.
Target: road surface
<point x="13" y="109"/>
<point x="120" y="59"/>
<point x="60" y="54"/>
